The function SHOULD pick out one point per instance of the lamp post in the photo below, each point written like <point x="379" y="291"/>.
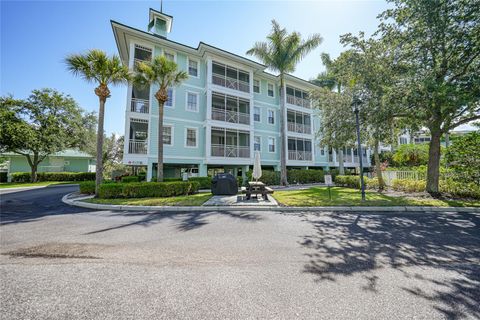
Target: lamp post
<point x="355" y="103"/>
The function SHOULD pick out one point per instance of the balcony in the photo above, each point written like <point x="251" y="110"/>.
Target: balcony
<point x="230" y="116"/>
<point x="230" y="151"/>
<point x="137" y="146"/>
<point x="299" y="128"/>
<point x="230" y="83"/>
<point x="297" y="101"/>
<point x="140" y="106"/>
<point x="299" y="155"/>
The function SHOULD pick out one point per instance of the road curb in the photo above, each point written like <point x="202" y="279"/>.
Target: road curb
<point x="79" y="203"/>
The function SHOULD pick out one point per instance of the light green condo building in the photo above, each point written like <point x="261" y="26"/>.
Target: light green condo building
<point x="228" y="108"/>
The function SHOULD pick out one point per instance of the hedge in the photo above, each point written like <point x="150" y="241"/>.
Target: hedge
<point x="460" y="189"/>
<point x="147" y="189"/>
<point x="305" y="176"/>
<point x="87" y="187"/>
<point x="128" y="179"/>
<point x="408" y="185"/>
<point x="354" y="182"/>
<point x="53" y="176"/>
<point x="205" y="182"/>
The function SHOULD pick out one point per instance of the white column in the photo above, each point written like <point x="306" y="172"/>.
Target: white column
<point x="149" y="171"/>
<point x="208" y="141"/>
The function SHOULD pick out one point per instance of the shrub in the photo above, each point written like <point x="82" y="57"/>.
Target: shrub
<point x="460" y="189"/>
<point x="54" y="176"/>
<point x="205" y="182"/>
<point x="128" y="179"/>
<point x="171" y="179"/>
<point x="408" y="185"/>
<point x="21" y="177"/>
<point x="148" y="189"/>
<point x="348" y="181"/>
<point x="87" y="187"/>
<point x="305" y="176"/>
<point x="371" y="183"/>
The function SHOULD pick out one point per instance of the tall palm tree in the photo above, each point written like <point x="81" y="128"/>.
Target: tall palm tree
<point x="164" y="73"/>
<point x="97" y="67"/>
<point x="281" y="53"/>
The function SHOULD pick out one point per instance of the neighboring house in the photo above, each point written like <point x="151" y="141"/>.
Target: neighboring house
<point x="214" y="121"/>
<point x="65" y="161"/>
<point x="423" y="136"/>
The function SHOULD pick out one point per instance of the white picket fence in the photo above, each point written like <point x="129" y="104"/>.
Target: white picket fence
<point x="389" y="176"/>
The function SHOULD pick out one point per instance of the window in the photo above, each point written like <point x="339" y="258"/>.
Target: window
<point x="167" y="135"/>
<point x="271" y="144"/>
<point x="142" y="53"/>
<point x="169" y="102"/>
<point x="169" y="56"/>
<point x="192" y="101"/>
<point x="256" y="86"/>
<point x="191" y="137"/>
<point x="257" y="143"/>
<point x="193" y="68"/>
<point x="256" y="114"/>
<point x="271" y="92"/>
<point x="271" y="116"/>
<point x="230" y="77"/>
<point x="322" y="152"/>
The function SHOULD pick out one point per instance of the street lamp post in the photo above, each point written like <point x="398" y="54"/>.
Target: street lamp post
<point x="355" y="103"/>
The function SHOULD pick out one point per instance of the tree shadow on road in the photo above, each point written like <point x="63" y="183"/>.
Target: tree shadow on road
<point x="184" y="221"/>
<point x="348" y="244"/>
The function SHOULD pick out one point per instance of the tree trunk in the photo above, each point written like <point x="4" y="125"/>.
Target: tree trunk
<point x="341" y="164"/>
<point x="283" y="136"/>
<point x="378" y="169"/>
<point x="99" y="167"/>
<point x="160" y="141"/>
<point x="33" y="166"/>
<point x="433" y="170"/>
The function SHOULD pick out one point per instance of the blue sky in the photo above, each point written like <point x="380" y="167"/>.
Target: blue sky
<point x="37" y="35"/>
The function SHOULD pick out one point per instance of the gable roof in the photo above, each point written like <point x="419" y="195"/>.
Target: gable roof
<point x="68" y="153"/>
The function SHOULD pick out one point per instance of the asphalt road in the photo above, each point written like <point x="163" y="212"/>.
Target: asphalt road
<point x="59" y="262"/>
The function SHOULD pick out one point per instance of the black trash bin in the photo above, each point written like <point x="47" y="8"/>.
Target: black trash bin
<point x="224" y="184"/>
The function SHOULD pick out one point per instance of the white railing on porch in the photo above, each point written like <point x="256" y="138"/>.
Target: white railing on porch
<point x="298" y="101"/>
<point x="140" y="105"/>
<point x="137" y="147"/>
<point x="230" y="116"/>
<point x="299" y="128"/>
<point x="230" y="151"/>
<point x="299" y="155"/>
<point x="231" y="83"/>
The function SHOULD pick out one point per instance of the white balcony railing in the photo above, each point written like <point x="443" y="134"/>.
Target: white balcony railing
<point x="231" y="83"/>
<point x="137" y="146"/>
<point x="299" y="155"/>
<point x="140" y="105"/>
<point x="230" y="151"/>
<point x="230" y="116"/>
<point x="299" y="128"/>
<point x="298" y="101"/>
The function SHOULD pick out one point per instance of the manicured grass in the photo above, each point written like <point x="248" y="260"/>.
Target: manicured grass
<point x="5" y="185"/>
<point x="318" y="196"/>
<point x="192" y="200"/>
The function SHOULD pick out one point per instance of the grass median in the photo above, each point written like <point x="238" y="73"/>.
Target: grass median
<point x="191" y="200"/>
<point x="6" y="185"/>
<point x="318" y="196"/>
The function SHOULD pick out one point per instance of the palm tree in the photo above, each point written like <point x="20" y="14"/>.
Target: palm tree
<point x="281" y="53"/>
<point x="164" y="73"/>
<point x="96" y="66"/>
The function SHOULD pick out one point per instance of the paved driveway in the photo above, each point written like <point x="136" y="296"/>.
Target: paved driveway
<point x="60" y="262"/>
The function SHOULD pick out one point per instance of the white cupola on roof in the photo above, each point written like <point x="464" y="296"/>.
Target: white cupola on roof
<point x="161" y="23"/>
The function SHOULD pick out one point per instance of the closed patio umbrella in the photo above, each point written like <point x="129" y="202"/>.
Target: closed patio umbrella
<point x="257" y="167"/>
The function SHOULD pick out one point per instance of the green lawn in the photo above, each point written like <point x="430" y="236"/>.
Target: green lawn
<point x="318" y="196"/>
<point x="5" y="185"/>
<point x="192" y="200"/>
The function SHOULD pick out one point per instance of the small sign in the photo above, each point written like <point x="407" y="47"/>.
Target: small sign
<point x="328" y="180"/>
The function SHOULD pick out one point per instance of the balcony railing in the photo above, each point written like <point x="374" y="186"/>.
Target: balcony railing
<point x="137" y="146"/>
<point x="300" y="155"/>
<point x="230" y="83"/>
<point x="140" y="105"/>
<point x="299" y="128"/>
<point x="230" y="116"/>
<point x="350" y="159"/>
<point x="230" y="151"/>
<point x="298" y="101"/>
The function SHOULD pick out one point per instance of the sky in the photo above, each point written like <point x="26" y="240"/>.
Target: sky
<point x="37" y="35"/>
